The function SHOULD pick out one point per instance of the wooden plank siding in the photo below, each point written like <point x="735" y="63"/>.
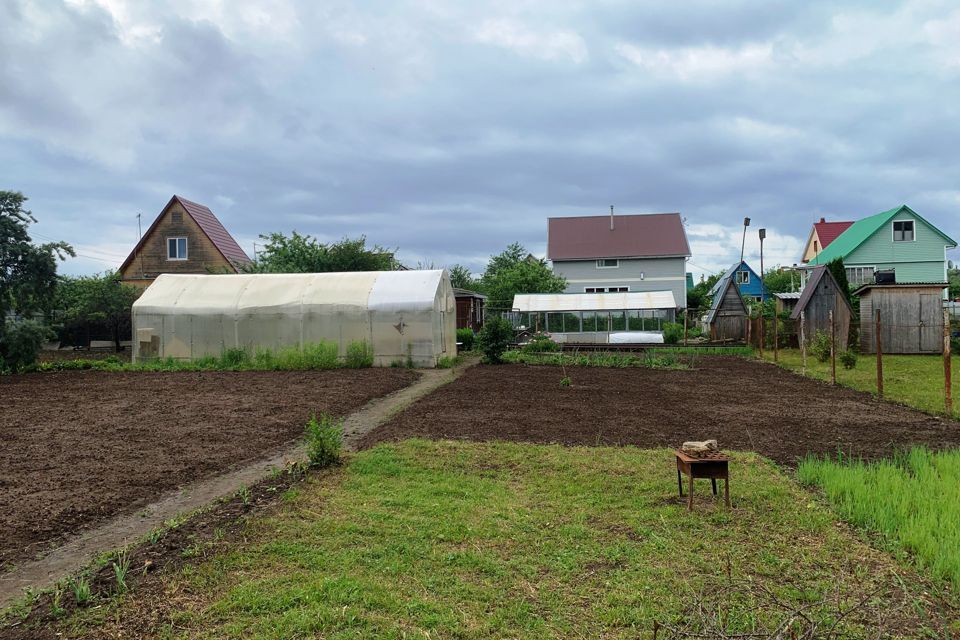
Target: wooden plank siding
<point x="827" y="297"/>
<point x="911" y="319"/>
<point x="730" y="322"/>
<point x="150" y="259"/>
<point x="920" y="260"/>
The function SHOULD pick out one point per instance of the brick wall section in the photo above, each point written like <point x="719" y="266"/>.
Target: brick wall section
<point x="202" y="255"/>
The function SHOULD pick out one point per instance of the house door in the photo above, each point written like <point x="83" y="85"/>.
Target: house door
<point x="931" y="323"/>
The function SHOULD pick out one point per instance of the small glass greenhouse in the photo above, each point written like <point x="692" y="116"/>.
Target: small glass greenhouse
<point x="404" y="315"/>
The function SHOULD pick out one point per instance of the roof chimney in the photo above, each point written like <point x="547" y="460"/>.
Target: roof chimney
<point x="823" y="219"/>
<point x="611" y="217"/>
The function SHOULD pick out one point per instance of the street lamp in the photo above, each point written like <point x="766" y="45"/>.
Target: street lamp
<point x="746" y="223"/>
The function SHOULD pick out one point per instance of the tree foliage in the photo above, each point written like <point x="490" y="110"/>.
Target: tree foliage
<point x="97" y="300"/>
<point x="781" y="281"/>
<point x="305" y="254"/>
<point x="494" y="339"/>
<point x="953" y="277"/>
<point x="698" y="297"/>
<point x="28" y="279"/>
<point x="461" y="277"/>
<point x="515" y="271"/>
<point x="840" y="275"/>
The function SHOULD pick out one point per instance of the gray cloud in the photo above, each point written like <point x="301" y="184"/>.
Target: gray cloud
<point x="451" y="131"/>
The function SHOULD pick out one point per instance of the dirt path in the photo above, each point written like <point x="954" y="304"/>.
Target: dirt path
<point x="81" y="550"/>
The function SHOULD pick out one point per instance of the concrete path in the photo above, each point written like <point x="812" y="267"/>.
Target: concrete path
<point x="80" y="551"/>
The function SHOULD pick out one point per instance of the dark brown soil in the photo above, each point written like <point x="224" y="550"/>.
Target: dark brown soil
<point x="746" y="405"/>
<point x="80" y="447"/>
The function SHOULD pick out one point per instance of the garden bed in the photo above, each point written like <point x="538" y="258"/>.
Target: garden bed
<point x="745" y="404"/>
<point x="81" y="447"/>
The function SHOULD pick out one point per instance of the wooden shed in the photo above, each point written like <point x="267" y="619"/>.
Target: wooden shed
<point x="819" y="297"/>
<point x="469" y="308"/>
<point x="911" y="317"/>
<point x="727" y="318"/>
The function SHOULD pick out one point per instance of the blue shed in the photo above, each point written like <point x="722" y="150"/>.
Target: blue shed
<point x="746" y="279"/>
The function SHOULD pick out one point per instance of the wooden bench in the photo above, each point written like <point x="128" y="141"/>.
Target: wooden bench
<point x="713" y="465"/>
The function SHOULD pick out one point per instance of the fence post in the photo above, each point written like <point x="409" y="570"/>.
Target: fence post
<point x="749" y="328"/>
<point x="803" y="340"/>
<point x="760" y="332"/>
<point x="776" y="338"/>
<point x="879" y="340"/>
<point x="833" y="348"/>
<point x="684" y="327"/>
<point x="947" y="373"/>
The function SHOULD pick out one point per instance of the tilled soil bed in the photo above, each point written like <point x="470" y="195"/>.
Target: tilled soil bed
<point x="80" y="447"/>
<point x="746" y="405"/>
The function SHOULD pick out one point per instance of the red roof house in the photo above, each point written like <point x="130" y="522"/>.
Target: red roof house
<point x="821" y="235"/>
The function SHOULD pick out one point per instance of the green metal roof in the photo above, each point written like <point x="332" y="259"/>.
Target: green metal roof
<point x="862" y="229"/>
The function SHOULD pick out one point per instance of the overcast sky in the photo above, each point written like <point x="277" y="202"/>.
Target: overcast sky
<point x="450" y="129"/>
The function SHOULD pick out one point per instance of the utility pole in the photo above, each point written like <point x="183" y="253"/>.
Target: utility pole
<point x="746" y="223"/>
<point x="139" y="240"/>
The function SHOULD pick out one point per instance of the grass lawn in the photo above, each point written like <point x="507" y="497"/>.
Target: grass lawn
<point x="913" y="501"/>
<point x="426" y="539"/>
<point x="914" y="380"/>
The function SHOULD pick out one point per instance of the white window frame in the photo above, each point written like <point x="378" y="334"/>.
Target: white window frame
<point x="600" y="264"/>
<point x="186" y="248"/>
<point x="861" y="267"/>
<point x="738" y="280"/>
<point x="625" y="288"/>
<point x="893" y="232"/>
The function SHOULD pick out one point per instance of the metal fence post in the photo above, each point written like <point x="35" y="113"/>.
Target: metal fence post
<point x="879" y="340"/>
<point x="803" y="340"/>
<point x="947" y="373"/>
<point x="833" y="348"/>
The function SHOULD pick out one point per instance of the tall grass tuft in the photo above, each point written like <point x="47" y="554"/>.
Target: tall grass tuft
<point x="913" y="500"/>
<point x="324" y="440"/>
<point x="359" y="355"/>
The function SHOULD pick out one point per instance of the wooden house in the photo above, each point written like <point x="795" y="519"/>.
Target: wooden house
<point x="727" y="319"/>
<point x="749" y="283"/>
<point x="186" y="238"/>
<point x="786" y="301"/>
<point x="469" y="309"/>
<point x="911" y="317"/>
<point x="819" y="297"/>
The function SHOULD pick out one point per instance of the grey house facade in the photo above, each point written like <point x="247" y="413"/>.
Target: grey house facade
<point x="620" y="254"/>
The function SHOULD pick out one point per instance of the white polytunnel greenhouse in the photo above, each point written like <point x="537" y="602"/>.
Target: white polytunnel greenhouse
<point x="404" y="315"/>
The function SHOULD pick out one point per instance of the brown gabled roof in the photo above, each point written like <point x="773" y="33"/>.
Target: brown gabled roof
<point x="818" y="274"/>
<point x="208" y="223"/>
<point x="632" y="236"/>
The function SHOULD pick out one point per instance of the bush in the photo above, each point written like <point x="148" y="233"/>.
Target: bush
<point x="319" y="355"/>
<point x="541" y="343"/>
<point x="672" y="332"/>
<point x="359" y="355"/>
<point x="466" y="338"/>
<point x="19" y="343"/>
<point x="820" y="346"/>
<point x="494" y="339"/>
<point x="234" y="358"/>
<point x="324" y="440"/>
<point x="848" y="359"/>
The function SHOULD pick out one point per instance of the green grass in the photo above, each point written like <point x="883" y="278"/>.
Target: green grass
<point x="912" y="380"/>
<point x="912" y="501"/>
<point x="312" y="356"/>
<point x="501" y="540"/>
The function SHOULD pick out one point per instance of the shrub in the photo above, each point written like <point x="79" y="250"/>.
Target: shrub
<point x="848" y="359"/>
<point x="466" y="338"/>
<point x="541" y="343"/>
<point x="19" y="343"/>
<point x="359" y="355"/>
<point x="494" y="339"/>
<point x="820" y="346"/>
<point x="672" y="332"/>
<point x="324" y="440"/>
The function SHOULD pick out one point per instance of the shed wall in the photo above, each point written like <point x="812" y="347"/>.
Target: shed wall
<point x="827" y="298"/>
<point x="911" y="320"/>
<point x="730" y="321"/>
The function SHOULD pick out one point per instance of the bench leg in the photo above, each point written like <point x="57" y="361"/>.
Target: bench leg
<point x="690" y="496"/>
<point x="726" y="490"/>
<point x="680" y="483"/>
<point x="713" y="481"/>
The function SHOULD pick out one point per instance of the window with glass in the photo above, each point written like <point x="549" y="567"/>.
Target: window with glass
<point x="860" y="275"/>
<point x="176" y="248"/>
<point x="608" y="263"/>
<point x="743" y="277"/>
<point x="903" y="230"/>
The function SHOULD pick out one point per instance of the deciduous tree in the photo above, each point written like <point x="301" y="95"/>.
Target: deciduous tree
<point x="304" y="254"/>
